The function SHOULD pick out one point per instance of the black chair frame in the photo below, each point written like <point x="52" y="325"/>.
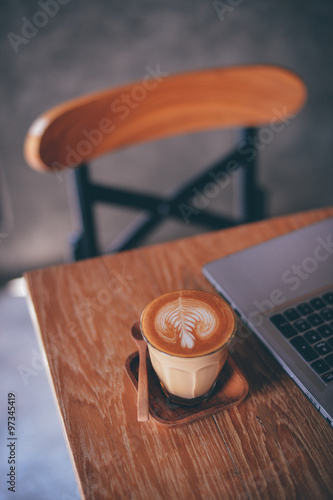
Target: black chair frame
<point x="178" y="205"/>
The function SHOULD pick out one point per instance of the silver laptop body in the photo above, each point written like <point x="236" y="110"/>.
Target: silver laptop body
<point x="279" y="278"/>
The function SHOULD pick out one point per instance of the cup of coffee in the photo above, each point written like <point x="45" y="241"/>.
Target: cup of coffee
<point x="188" y="333"/>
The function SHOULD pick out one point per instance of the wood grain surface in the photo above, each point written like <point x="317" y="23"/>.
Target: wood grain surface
<point x="231" y="388"/>
<point x="162" y="105"/>
<point x="143" y="393"/>
<point x="274" y="445"/>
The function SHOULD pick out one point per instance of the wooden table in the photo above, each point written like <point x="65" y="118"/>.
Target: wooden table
<point x="274" y="445"/>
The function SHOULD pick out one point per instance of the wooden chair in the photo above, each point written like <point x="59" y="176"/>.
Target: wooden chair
<point x="246" y="97"/>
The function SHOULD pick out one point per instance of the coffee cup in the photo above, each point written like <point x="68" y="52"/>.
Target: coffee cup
<point x="188" y="333"/>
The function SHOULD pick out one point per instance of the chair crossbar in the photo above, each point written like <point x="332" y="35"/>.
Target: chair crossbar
<point x="177" y="205"/>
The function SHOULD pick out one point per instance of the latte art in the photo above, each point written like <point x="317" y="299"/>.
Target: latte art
<point x="188" y="333"/>
<point x="185" y="319"/>
<point x="188" y="323"/>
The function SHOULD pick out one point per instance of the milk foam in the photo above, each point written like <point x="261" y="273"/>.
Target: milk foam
<point x="186" y="319"/>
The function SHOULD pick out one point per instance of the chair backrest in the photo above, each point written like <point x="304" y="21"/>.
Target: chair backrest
<point x="161" y="106"/>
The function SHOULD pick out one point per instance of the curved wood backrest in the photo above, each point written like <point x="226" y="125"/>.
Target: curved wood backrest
<point x="87" y="127"/>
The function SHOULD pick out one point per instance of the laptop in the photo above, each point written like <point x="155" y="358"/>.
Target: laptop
<point x="282" y="290"/>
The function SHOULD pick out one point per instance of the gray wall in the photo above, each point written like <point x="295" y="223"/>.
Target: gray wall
<point x="87" y="46"/>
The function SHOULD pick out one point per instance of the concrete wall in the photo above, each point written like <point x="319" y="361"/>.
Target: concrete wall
<point x="83" y="46"/>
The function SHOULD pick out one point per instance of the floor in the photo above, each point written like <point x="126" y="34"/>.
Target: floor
<point x="43" y="469"/>
<point x="81" y="47"/>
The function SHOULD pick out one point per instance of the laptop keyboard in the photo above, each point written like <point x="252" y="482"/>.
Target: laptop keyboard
<point x="309" y="328"/>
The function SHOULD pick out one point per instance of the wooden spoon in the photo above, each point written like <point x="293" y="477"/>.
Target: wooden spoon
<point x="143" y="402"/>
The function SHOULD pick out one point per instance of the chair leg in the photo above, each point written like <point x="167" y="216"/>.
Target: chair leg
<point x="249" y="197"/>
<point x="84" y="244"/>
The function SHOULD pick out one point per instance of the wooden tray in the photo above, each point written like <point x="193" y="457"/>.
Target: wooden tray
<point x="231" y="388"/>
